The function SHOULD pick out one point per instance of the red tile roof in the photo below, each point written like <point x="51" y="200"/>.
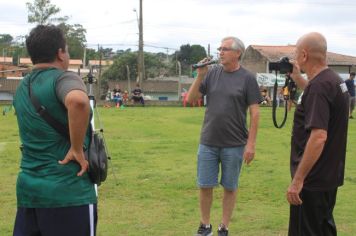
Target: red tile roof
<point x="103" y="62"/>
<point x="27" y="61"/>
<point x="5" y="59"/>
<point x="75" y="62"/>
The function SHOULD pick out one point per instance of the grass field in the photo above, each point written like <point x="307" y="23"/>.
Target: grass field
<point x="153" y="153"/>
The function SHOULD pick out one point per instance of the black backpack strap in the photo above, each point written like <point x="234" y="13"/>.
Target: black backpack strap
<point x="42" y="111"/>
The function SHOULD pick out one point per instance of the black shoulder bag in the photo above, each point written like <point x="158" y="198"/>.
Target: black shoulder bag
<point x="95" y="153"/>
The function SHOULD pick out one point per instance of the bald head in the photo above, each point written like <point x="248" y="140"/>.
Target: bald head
<point x="315" y="45"/>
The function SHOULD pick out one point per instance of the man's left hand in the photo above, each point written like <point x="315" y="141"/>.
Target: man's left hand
<point x="249" y="154"/>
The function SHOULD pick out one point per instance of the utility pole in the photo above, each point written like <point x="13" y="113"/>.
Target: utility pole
<point x="179" y="80"/>
<point x="128" y="80"/>
<point x="167" y="56"/>
<point x="99" y="76"/>
<point x="141" y="60"/>
<point x="85" y="58"/>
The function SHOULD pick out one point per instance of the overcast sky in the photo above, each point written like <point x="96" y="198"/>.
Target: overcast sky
<point x="172" y="23"/>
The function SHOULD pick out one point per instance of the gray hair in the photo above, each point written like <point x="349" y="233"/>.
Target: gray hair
<point x="236" y="44"/>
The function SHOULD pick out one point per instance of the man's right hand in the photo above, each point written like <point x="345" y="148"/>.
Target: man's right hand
<point x="202" y="71"/>
<point x="297" y="76"/>
<point x="78" y="157"/>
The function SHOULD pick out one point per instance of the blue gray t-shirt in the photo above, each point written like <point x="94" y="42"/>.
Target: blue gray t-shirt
<point x="228" y="96"/>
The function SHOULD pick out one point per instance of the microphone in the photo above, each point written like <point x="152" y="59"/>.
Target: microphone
<point x="198" y="65"/>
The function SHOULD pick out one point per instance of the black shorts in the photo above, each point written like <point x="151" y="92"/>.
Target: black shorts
<point x="68" y="221"/>
<point x="314" y="216"/>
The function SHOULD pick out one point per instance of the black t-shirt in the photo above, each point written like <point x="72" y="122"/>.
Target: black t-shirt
<point x="115" y="90"/>
<point x="324" y="105"/>
<point x="137" y="92"/>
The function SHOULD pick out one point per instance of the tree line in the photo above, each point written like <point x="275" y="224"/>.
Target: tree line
<point x="156" y="64"/>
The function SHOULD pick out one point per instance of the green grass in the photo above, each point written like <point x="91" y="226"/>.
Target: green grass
<point x="153" y="153"/>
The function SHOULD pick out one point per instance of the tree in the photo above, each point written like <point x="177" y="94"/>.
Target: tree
<point x="118" y="70"/>
<point x="5" y="39"/>
<point x="154" y="63"/>
<point x="197" y="53"/>
<point x="43" y="12"/>
<point x="91" y="54"/>
<point x="189" y="55"/>
<point x="76" y="39"/>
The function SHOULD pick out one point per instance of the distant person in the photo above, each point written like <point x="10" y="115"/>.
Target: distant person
<point x="108" y="99"/>
<point x="117" y="89"/>
<point x="350" y="83"/>
<point x="137" y="95"/>
<point x="266" y="100"/>
<point x="289" y="92"/>
<point x="125" y="98"/>
<point x="225" y="140"/>
<point x="55" y="196"/>
<point x="117" y="98"/>
<point x="319" y="137"/>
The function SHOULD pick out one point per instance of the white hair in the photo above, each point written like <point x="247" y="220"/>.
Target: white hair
<point x="236" y="44"/>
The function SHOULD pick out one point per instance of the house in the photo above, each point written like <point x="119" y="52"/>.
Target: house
<point x="74" y="64"/>
<point x="25" y="61"/>
<point x="10" y="71"/>
<point x="258" y="57"/>
<point x="97" y="63"/>
<point x="7" y="89"/>
<point x="5" y="60"/>
<point x="11" y="76"/>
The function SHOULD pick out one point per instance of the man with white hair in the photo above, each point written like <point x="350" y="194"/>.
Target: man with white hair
<point x="230" y="91"/>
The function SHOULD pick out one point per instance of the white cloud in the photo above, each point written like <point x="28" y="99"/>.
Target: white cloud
<point x="169" y="24"/>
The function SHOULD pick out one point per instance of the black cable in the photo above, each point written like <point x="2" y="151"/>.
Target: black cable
<point x="274" y="107"/>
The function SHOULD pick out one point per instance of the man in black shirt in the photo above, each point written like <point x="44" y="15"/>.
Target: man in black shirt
<point x="319" y="137"/>
<point x="137" y="95"/>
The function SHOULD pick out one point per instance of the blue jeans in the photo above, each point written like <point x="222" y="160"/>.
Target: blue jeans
<point x="210" y="157"/>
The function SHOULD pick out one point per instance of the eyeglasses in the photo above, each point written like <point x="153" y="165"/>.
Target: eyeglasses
<point x="223" y="49"/>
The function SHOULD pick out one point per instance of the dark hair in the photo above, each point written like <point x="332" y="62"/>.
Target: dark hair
<point x="44" y="42"/>
<point x="352" y="73"/>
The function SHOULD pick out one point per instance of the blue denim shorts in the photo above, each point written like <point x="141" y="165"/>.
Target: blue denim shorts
<point x="210" y="157"/>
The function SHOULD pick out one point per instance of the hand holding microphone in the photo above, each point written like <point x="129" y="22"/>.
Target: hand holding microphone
<point x="204" y="63"/>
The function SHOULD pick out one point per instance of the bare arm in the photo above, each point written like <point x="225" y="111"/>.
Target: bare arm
<point x="313" y="149"/>
<point x="193" y="93"/>
<point x="249" y="153"/>
<point x="297" y="76"/>
<point x="300" y="81"/>
<point x="77" y="104"/>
